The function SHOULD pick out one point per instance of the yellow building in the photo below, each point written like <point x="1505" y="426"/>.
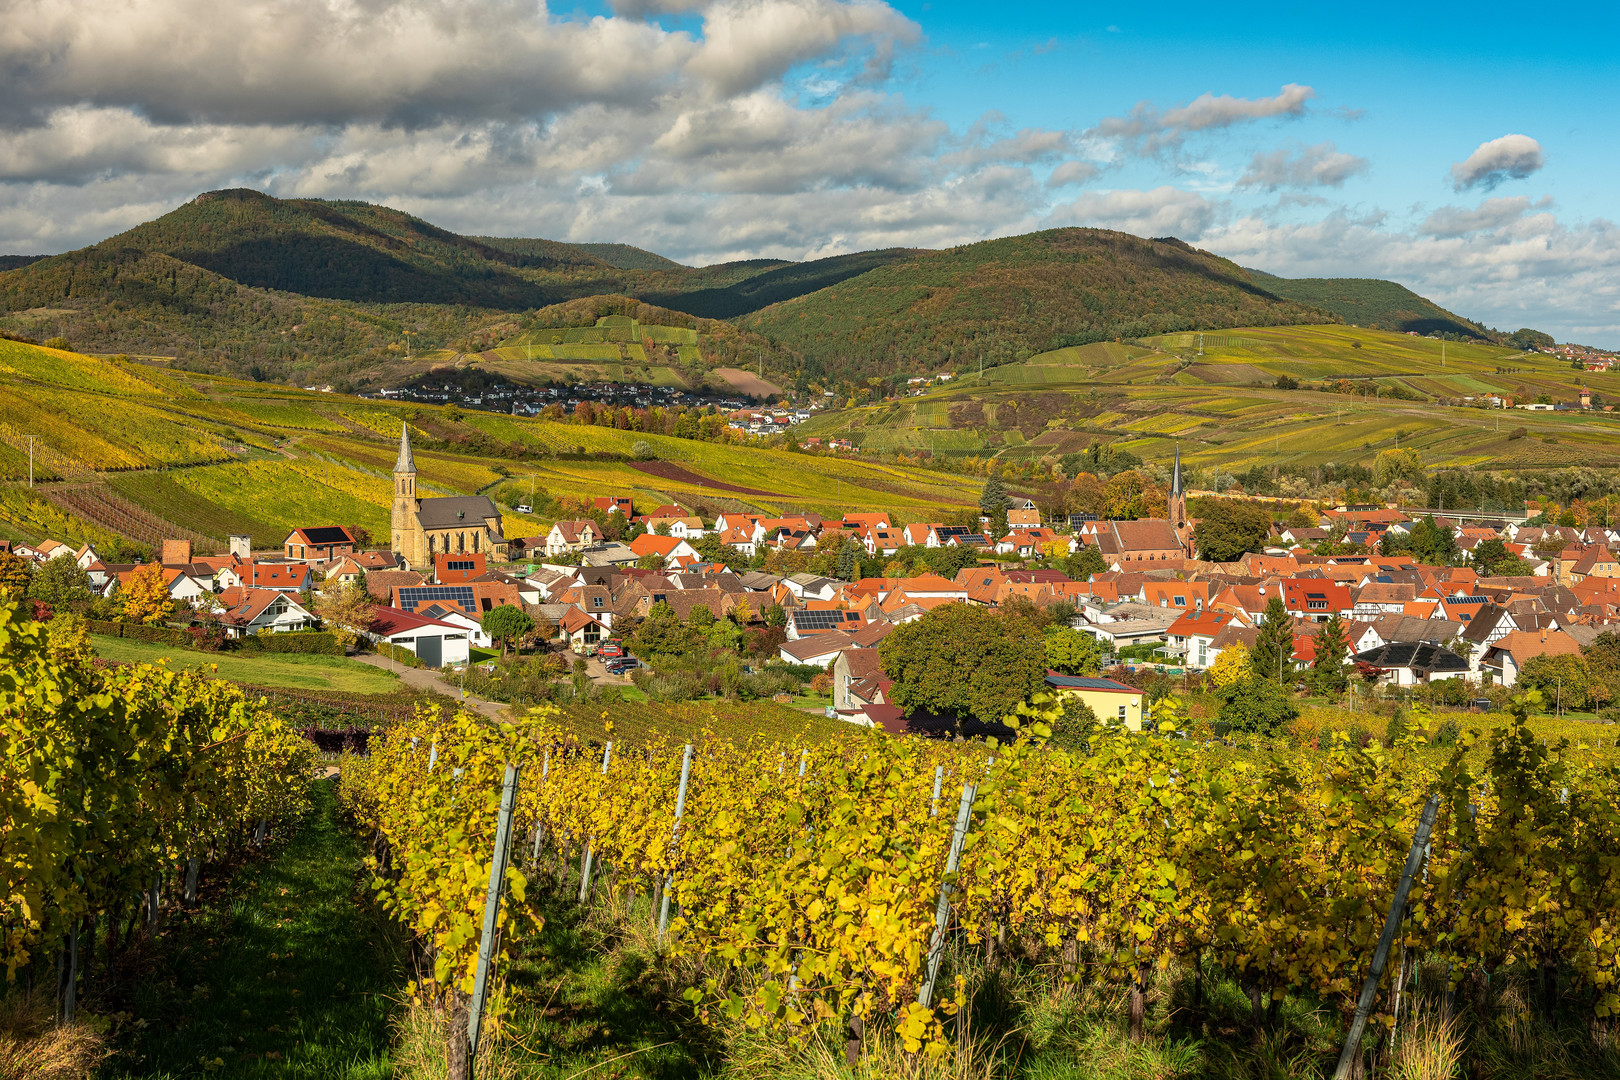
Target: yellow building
<point x="423" y="528"/>
<point x="1113" y="702"/>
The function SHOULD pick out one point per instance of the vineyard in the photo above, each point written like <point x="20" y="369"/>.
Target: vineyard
<point x="846" y="887"/>
<point x="96" y="503"/>
<point x="118" y="786"/>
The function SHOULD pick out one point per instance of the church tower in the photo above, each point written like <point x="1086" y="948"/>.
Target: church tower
<point x="405" y="501"/>
<point x="1178" y="497"/>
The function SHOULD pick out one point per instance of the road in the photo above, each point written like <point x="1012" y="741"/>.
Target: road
<point x="428" y="679"/>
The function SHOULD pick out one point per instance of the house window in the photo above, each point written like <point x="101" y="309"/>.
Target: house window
<point x="461" y="542"/>
<point x="475" y="541"/>
<point x="1122" y="714"/>
<point x="596" y="601"/>
<point x="1181" y="601"/>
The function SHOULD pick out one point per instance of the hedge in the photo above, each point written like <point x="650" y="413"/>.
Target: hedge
<point x="156" y="635"/>
<point x="302" y="642"/>
<point x="397" y="653"/>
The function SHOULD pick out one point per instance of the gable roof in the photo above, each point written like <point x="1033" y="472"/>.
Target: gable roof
<point x="452" y="511"/>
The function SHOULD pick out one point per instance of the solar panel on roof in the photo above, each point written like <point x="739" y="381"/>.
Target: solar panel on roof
<point x="327" y="534"/>
<point x="426" y="594"/>
<point x="460" y="564"/>
<point x="818" y="620"/>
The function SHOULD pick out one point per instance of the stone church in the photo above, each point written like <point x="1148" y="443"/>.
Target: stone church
<point x="424" y="527"/>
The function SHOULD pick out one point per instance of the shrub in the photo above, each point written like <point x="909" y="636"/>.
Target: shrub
<point x="1258" y="706"/>
<point x="299" y="643"/>
<point x="153" y="635"/>
<point x="1447" y="734"/>
<point x="397" y="654"/>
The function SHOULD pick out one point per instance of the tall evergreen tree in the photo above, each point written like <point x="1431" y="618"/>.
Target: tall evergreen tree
<point x="993" y="499"/>
<point x="1332" y="647"/>
<point x="1273" y="652"/>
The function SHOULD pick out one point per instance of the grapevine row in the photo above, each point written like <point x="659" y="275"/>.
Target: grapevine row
<point x="115" y="779"/>
<point x="806" y="877"/>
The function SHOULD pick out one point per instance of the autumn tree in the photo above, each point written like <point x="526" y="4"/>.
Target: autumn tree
<point x="15" y="574"/>
<point x="1231" y="666"/>
<point x="347" y="611"/>
<point x="146" y="596"/>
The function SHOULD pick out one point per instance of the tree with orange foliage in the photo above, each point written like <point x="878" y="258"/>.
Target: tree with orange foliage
<point x="146" y="596"/>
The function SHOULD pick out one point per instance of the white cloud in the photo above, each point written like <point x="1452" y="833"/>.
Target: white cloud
<point x="1502" y="266"/>
<point x="1453" y="221"/>
<point x="1072" y="172"/>
<point x="1164" y="211"/>
<point x="1512" y="157"/>
<point x="1150" y="130"/>
<point x="1322" y="165"/>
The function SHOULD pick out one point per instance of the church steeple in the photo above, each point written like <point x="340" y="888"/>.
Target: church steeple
<point x="407" y="463"/>
<point x="1178" y="497"/>
<point x="403" y="518"/>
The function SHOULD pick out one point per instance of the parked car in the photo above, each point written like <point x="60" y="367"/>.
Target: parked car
<point x="623" y="665"/>
<point x="524" y="508"/>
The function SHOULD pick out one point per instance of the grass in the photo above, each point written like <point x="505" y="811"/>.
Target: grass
<point x="291" y="671"/>
<point x="289" y="973"/>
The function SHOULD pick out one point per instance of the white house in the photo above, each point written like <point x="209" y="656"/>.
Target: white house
<point x="262" y="611"/>
<point x="436" y="642"/>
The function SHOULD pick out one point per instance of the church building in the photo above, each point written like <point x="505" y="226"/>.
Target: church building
<point x="423" y="528"/>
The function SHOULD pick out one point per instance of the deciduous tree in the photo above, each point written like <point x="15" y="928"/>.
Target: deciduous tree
<point x="963" y="660"/>
<point x="507" y="624"/>
<point x="347" y="611"/>
<point x="1072" y="652"/>
<point x="1258" y="706"/>
<point x="146" y="595"/>
<point x="1229" y="528"/>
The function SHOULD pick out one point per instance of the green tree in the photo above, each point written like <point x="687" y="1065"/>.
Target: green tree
<point x="1602" y="656"/>
<point x="1074" y="724"/>
<point x="1258" y="706"/>
<point x="1083" y="563"/>
<point x="993" y="498"/>
<point x="1332" y="648"/>
<point x="1564" y="680"/>
<point x="662" y="633"/>
<point x="61" y="581"/>
<point x="1488" y="553"/>
<point x="964" y="660"/>
<point x="507" y="624"/>
<point x="774" y="615"/>
<point x="1071" y="651"/>
<point x="1228" y="528"/>
<point x="1431" y="544"/>
<point x="1273" y="653"/>
<point x="1396" y="464"/>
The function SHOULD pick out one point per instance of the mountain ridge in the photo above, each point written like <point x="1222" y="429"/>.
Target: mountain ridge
<point x="241" y="282"/>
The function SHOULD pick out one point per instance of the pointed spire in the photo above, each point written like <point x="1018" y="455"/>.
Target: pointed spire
<point x="1175" y="477"/>
<point x="406" y="462"/>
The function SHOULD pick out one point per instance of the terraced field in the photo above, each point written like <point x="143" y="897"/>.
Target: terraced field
<point x="1223" y="408"/>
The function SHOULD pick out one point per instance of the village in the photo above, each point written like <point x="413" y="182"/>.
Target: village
<point x="450" y="588"/>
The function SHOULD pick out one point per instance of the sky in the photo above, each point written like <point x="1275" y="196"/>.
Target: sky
<point x="1469" y="152"/>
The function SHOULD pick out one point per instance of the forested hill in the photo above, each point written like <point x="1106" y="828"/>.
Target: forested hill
<point x="1374" y="303"/>
<point x="1004" y="300"/>
<point x="307" y="290"/>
